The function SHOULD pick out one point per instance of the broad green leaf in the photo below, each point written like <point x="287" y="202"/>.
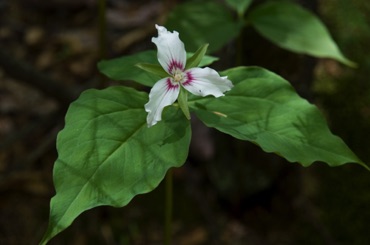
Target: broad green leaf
<point x="107" y="154"/>
<point x="197" y="57"/>
<point x="125" y="67"/>
<point x="263" y="108"/>
<point x="296" y="29"/>
<point x="200" y="22"/>
<point x="239" y="5"/>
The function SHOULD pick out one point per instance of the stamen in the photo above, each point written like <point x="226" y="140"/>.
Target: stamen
<point x="178" y="76"/>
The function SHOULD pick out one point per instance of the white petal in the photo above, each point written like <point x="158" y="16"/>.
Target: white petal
<point x="171" y="50"/>
<point x="206" y="81"/>
<point x="162" y="94"/>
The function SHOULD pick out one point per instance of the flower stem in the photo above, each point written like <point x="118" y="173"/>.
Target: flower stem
<point x="102" y="36"/>
<point x="168" y="209"/>
<point x="183" y="102"/>
<point x="102" y="28"/>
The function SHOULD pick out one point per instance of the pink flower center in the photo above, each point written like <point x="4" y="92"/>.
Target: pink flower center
<point x="188" y="79"/>
<point x="174" y="66"/>
<point x="178" y="75"/>
<point x="171" y="85"/>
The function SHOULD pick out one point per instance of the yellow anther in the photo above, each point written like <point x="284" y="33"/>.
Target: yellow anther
<point x="178" y="76"/>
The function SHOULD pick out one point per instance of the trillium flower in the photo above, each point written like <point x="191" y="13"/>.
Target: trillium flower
<point x="198" y="81"/>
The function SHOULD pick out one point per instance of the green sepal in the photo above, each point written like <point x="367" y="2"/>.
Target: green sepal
<point x="197" y="57"/>
<point x="153" y="68"/>
<point x="183" y="102"/>
<point x="125" y="68"/>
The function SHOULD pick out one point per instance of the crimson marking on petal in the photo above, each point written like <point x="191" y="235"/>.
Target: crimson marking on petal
<point x="170" y="85"/>
<point x="175" y="64"/>
<point x="189" y="79"/>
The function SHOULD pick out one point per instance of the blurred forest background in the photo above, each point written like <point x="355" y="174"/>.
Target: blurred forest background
<point x="228" y="192"/>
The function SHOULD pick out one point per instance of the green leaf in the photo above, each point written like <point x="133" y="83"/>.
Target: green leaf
<point x="264" y="108"/>
<point x="197" y="57"/>
<point x="296" y="29"/>
<point x="200" y="22"/>
<point x="239" y="5"/>
<point x="107" y="154"/>
<point x="153" y="68"/>
<point x="125" y="67"/>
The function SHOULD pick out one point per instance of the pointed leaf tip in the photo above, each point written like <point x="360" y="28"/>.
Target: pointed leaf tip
<point x="294" y="28"/>
<point x="263" y="108"/>
<point x="105" y="133"/>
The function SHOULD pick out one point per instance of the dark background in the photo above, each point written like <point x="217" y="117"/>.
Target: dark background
<point x="228" y="192"/>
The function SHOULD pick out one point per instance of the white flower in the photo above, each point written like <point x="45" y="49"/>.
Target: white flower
<point x="198" y="81"/>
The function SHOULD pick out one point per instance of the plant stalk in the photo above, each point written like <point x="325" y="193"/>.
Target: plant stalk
<point x="168" y="208"/>
<point x="102" y="36"/>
